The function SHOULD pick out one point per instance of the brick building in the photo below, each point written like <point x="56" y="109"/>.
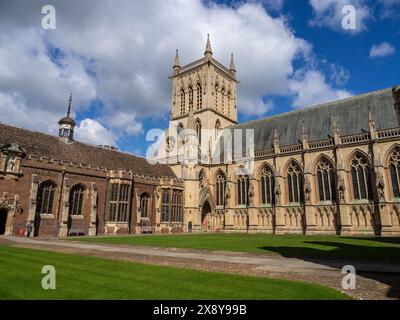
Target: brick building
<point x="66" y="187"/>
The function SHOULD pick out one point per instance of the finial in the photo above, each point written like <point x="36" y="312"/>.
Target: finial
<point x="334" y="126"/>
<point x="177" y="64"/>
<point x="232" y="67"/>
<point x="208" y="53"/>
<point x="276" y="136"/>
<point x="371" y="121"/>
<point x="303" y="130"/>
<point x="69" y="105"/>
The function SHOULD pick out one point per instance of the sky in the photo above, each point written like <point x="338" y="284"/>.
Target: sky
<point x="116" y="57"/>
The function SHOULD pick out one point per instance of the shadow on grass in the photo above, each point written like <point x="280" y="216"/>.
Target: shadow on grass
<point x="349" y="254"/>
<point x="393" y="240"/>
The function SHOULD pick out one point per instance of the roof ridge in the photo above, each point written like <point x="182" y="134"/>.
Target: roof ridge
<point x="75" y="141"/>
<point x="318" y="106"/>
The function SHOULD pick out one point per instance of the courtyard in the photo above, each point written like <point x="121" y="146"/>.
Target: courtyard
<point x="201" y="266"/>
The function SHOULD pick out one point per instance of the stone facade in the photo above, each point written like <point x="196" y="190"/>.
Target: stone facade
<point x="326" y="170"/>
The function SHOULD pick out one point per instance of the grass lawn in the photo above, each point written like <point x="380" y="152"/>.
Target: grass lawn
<point x="331" y="247"/>
<point x="80" y="277"/>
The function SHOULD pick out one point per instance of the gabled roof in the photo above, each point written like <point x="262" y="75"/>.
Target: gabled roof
<point x="351" y="117"/>
<point x="40" y="144"/>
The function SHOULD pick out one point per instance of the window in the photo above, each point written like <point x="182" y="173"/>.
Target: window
<point x="223" y="100"/>
<point x="144" y="203"/>
<point x="220" y="187"/>
<point x="119" y="202"/>
<point x="395" y="173"/>
<point x="199" y="96"/>
<point x="46" y="198"/>
<point x="216" y="96"/>
<point x="361" y="177"/>
<point x="243" y="190"/>
<point x="295" y="183"/>
<point x="326" y="181"/>
<point x="198" y="131"/>
<point x="76" y="200"/>
<point x="190" y="98"/>
<point x="165" y="206"/>
<point x="267" y="186"/>
<point x="229" y="103"/>
<point x="177" y="210"/>
<point x="182" y="101"/>
<point x="217" y="128"/>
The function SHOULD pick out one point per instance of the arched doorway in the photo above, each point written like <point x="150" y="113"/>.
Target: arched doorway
<point x="3" y="220"/>
<point x="206" y="217"/>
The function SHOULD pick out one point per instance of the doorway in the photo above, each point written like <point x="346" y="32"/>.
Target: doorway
<point x="206" y="217"/>
<point x="3" y="220"/>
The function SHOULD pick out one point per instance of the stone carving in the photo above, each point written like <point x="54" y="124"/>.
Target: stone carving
<point x="341" y="189"/>
<point x="11" y="164"/>
<point x="380" y="186"/>
<point x="307" y="190"/>
<point x="251" y="194"/>
<point x="228" y="195"/>
<point x="277" y="192"/>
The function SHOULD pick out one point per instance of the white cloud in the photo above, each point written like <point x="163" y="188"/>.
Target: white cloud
<point x="91" y="131"/>
<point x="382" y="50"/>
<point x="122" y="54"/>
<point x="310" y="88"/>
<point x="328" y="13"/>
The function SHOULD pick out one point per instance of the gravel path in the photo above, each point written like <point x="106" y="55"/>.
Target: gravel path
<point x="374" y="281"/>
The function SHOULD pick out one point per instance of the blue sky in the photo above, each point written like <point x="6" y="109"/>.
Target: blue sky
<point x="116" y="60"/>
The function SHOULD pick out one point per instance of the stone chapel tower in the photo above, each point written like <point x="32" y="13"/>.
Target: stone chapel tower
<point x="204" y="93"/>
<point x="203" y="102"/>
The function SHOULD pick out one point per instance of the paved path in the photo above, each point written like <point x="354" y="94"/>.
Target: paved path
<point x="267" y="263"/>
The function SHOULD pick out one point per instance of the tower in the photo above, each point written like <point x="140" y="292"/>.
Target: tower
<point x="67" y="125"/>
<point x="203" y="102"/>
<point x="205" y="88"/>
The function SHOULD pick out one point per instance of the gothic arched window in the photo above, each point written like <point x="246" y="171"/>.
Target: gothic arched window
<point x="217" y="128"/>
<point x="243" y="189"/>
<point x="220" y="187"/>
<point x="295" y="183"/>
<point x="199" y="96"/>
<point x="45" y="198"/>
<point x="144" y="205"/>
<point x="223" y="100"/>
<point x="190" y="98"/>
<point x="198" y="130"/>
<point x="326" y="181"/>
<point x="216" y="96"/>
<point x="361" y="177"/>
<point x="229" y="102"/>
<point x="76" y="200"/>
<point x="395" y="172"/>
<point x="182" y="101"/>
<point x="267" y="186"/>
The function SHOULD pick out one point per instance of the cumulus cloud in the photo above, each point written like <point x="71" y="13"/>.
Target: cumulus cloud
<point x="382" y="50"/>
<point x="122" y="54"/>
<point x="91" y="131"/>
<point x="311" y="88"/>
<point x="328" y="13"/>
